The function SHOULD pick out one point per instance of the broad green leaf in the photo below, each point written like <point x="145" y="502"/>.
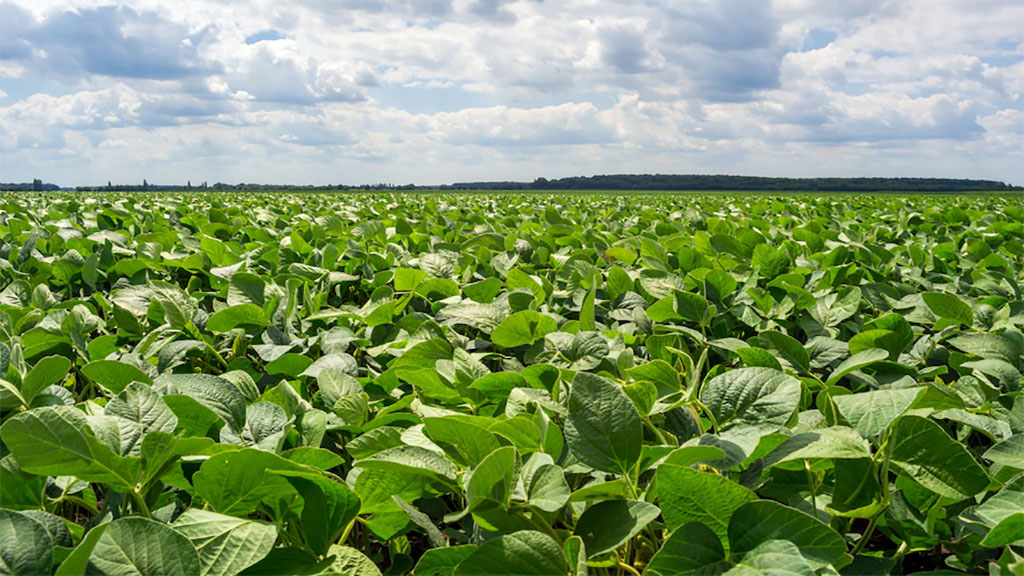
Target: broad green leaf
<point x="140" y="403"/>
<point x="54" y="440"/>
<point x="997" y="346"/>
<point x="492" y="479"/>
<point x="264" y="428"/>
<point x="751" y="396"/>
<point x="548" y="489"/>
<point x="1008" y="501"/>
<point x="1009" y="531"/>
<point x="238" y="316"/>
<point x="773" y="558"/>
<point x="607" y="525"/>
<point x="872" y="412"/>
<point x="930" y="457"/>
<point x="522" y="553"/>
<point x="788" y="347"/>
<point x="465" y="443"/>
<point x="351" y="562"/>
<point x="859" y="360"/>
<point x="25" y="545"/>
<point x="837" y="442"/>
<point x="693" y="548"/>
<point x="327" y="509"/>
<point x="46" y="372"/>
<point x="226" y="544"/>
<point x="949" y="306"/>
<point x="760" y="521"/>
<point x="134" y="545"/>
<point x="235" y="482"/>
<point x="1009" y="452"/>
<point x="686" y="495"/>
<point x="215" y="394"/>
<point x="442" y="561"/>
<point x="436" y="537"/>
<point x="603" y="429"/>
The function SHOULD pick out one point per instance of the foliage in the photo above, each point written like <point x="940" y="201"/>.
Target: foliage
<point x="510" y="384"/>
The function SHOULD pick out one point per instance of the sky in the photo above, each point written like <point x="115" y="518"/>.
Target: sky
<point x="441" y="91"/>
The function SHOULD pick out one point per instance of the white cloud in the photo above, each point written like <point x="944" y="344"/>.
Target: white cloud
<point x="439" y="90"/>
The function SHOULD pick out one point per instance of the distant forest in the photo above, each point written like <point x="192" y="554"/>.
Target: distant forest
<point x="723" y="182"/>
<point x="602" y="182"/>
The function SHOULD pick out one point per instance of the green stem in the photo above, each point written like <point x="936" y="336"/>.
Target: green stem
<point x="628" y="568"/>
<point x="813" y="486"/>
<point x="865" y="536"/>
<point x="140" y="502"/>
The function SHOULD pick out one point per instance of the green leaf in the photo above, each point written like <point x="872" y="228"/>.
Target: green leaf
<point x="930" y="457"/>
<point x="436" y="537"/>
<point x="235" y="482"/>
<point x="548" y="489"/>
<point x="1008" y="501"/>
<point x="54" y="440"/>
<point x="999" y="347"/>
<point x="407" y="279"/>
<point x="837" y="442"/>
<point x="949" y="306"/>
<point x="587" y="321"/>
<point x="769" y="261"/>
<point x="493" y="479"/>
<point x="603" y="429"/>
<point x="857" y="493"/>
<point x="872" y="412"/>
<point x="754" y="356"/>
<point x="607" y="525"/>
<point x="1009" y="531"/>
<point x="790" y="349"/>
<point x="211" y="392"/>
<point x="522" y="328"/>
<point x="264" y="427"/>
<point x="46" y="372"/>
<point x="522" y="553"/>
<point x="141" y="404"/>
<point x="859" y="360"/>
<point x="442" y="561"/>
<point x="327" y="509"/>
<point x="25" y="545"/>
<point x="135" y="545"/>
<point x="773" y="558"/>
<point x="685" y="306"/>
<point x="351" y="562"/>
<point x="465" y="443"/>
<point x="751" y="396"/>
<point x="77" y="561"/>
<point x="238" y="316"/>
<point x="763" y="520"/>
<point x="687" y="495"/>
<point x="692" y="548"/>
<point x="1009" y="452"/>
<point x="226" y="544"/>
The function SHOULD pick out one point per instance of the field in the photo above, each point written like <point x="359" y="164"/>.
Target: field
<point x="459" y="384"/>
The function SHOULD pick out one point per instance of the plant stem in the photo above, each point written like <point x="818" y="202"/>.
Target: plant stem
<point x="628" y="568"/>
<point x="865" y="536"/>
<point x="813" y="486"/>
<point x="140" y="503"/>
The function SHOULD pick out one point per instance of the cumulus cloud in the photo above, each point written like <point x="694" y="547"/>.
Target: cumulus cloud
<point x="443" y="90"/>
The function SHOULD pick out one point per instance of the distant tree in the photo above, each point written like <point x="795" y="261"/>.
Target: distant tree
<point x="189" y="183"/>
<point x="37" y="185"/>
<point x="145" y="185"/>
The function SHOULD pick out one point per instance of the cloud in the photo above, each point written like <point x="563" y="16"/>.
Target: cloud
<point x="443" y="90"/>
<point x="105" y="41"/>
